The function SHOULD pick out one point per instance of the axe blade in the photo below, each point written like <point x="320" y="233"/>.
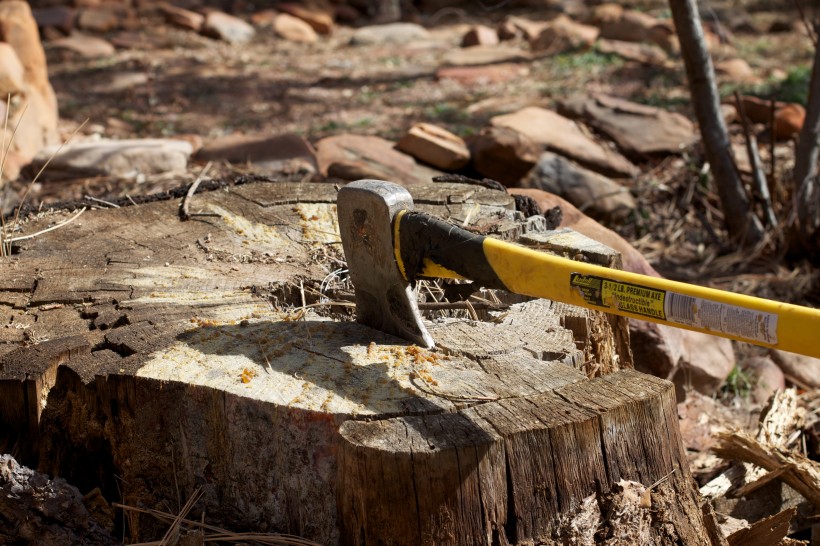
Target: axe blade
<point x="384" y="298"/>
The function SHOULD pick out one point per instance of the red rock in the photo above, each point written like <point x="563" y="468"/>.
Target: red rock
<point x="803" y="371"/>
<point x="479" y="35"/>
<point x="737" y="70"/>
<point x="58" y="17"/>
<point x="766" y="378"/>
<point x="227" y="28"/>
<point x="483" y="75"/>
<point x="89" y="47"/>
<point x="12" y="73"/>
<point x="264" y="18"/>
<point x="98" y="19"/>
<point x="788" y="117"/>
<point x="484" y="55"/>
<point x="436" y="146"/>
<point x="183" y="18"/>
<point x="294" y="29"/>
<point x="319" y="18"/>
<point x="663" y="35"/>
<point x="563" y="34"/>
<point x="606" y="14"/>
<point x="559" y="134"/>
<point x="503" y="154"/>
<point x="632" y="26"/>
<point x="271" y="154"/>
<point x="695" y="360"/>
<point x="352" y="157"/>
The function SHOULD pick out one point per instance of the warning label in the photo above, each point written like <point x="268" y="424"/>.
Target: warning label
<point x="677" y="308"/>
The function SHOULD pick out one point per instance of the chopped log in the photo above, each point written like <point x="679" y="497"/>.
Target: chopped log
<point x="152" y="358"/>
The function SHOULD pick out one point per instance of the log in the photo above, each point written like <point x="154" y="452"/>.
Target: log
<point x="153" y="358"/>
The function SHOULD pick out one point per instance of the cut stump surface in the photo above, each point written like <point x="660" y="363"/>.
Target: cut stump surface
<point x="152" y="357"/>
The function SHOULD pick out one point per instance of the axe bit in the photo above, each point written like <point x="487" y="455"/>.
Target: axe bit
<point x="388" y="246"/>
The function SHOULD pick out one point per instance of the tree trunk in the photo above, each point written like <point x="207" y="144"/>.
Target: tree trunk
<point x="153" y="358"/>
<point x="806" y="187"/>
<point x="744" y="227"/>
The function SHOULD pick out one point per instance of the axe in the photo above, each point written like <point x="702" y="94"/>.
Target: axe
<point x="388" y="246"/>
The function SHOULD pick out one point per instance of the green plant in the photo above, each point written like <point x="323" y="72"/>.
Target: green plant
<point x="738" y="384"/>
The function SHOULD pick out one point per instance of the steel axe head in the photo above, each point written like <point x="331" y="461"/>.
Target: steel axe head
<point x="384" y="299"/>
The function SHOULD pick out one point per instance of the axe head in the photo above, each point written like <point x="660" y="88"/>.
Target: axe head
<point x="384" y="299"/>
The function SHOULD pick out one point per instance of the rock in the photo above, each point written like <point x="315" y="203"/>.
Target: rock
<point x="690" y="359"/>
<point x="278" y="154"/>
<point x="34" y="110"/>
<point x="227" y="28"/>
<point x="729" y="112"/>
<point x="484" y="55"/>
<point x="393" y="33"/>
<point x="39" y="510"/>
<point x="61" y="18"/>
<point x="803" y="371"/>
<point x="436" y="146"/>
<point x="480" y="35"/>
<point x="98" y="19"/>
<point x="631" y="51"/>
<point x="294" y="29"/>
<point x="483" y="74"/>
<point x="564" y="34"/>
<point x="319" y="19"/>
<point x="352" y="157"/>
<point x="766" y="377"/>
<point x="737" y="70"/>
<point x="606" y="14"/>
<point x="89" y="47"/>
<point x="788" y="116"/>
<point x="503" y="154"/>
<point x="18" y="29"/>
<point x="12" y="73"/>
<point x="591" y="192"/>
<point x="637" y="129"/>
<point x="562" y="135"/>
<point x="663" y="35"/>
<point x="264" y="18"/>
<point x="631" y="26"/>
<point x="516" y="27"/>
<point x="115" y="158"/>
<point x="183" y="18"/>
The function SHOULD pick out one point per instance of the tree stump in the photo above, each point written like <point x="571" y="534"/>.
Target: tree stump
<point x="152" y="358"/>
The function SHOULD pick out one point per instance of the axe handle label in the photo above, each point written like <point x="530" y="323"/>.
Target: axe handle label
<point x="672" y="307"/>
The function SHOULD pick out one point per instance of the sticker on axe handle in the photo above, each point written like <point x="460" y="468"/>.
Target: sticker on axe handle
<point x="678" y="308"/>
<point x="623" y="296"/>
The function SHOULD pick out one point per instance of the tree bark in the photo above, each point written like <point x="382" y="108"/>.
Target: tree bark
<point x="152" y="358"/>
<point x="806" y="187"/>
<point x="744" y="227"/>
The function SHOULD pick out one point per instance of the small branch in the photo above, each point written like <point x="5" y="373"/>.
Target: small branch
<point x="101" y="201"/>
<point x="184" y="215"/>
<point x="758" y="176"/>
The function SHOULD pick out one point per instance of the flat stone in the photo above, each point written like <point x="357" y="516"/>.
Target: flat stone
<point x="320" y="20"/>
<point x="392" y="33"/>
<point x="559" y="134"/>
<point x="116" y="158"/>
<point x="99" y="19"/>
<point x="519" y="27"/>
<point x="59" y="17"/>
<point x="480" y="35"/>
<point x="637" y="129"/>
<point x="352" y="157"/>
<point x="183" y="18"/>
<point x="294" y="29"/>
<point x="83" y="45"/>
<point x="277" y="154"/>
<point x="595" y="194"/>
<point x="481" y="55"/>
<point x="563" y="34"/>
<point x="736" y="70"/>
<point x="483" y="74"/>
<point x="804" y="371"/>
<point x="503" y="154"/>
<point x="631" y="26"/>
<point x="643" y="53"/>
<point x="436" y="146"/>
<point x="227" y="28"/>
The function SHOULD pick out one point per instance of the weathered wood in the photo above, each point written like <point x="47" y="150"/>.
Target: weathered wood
<point x="151" y="357"/>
